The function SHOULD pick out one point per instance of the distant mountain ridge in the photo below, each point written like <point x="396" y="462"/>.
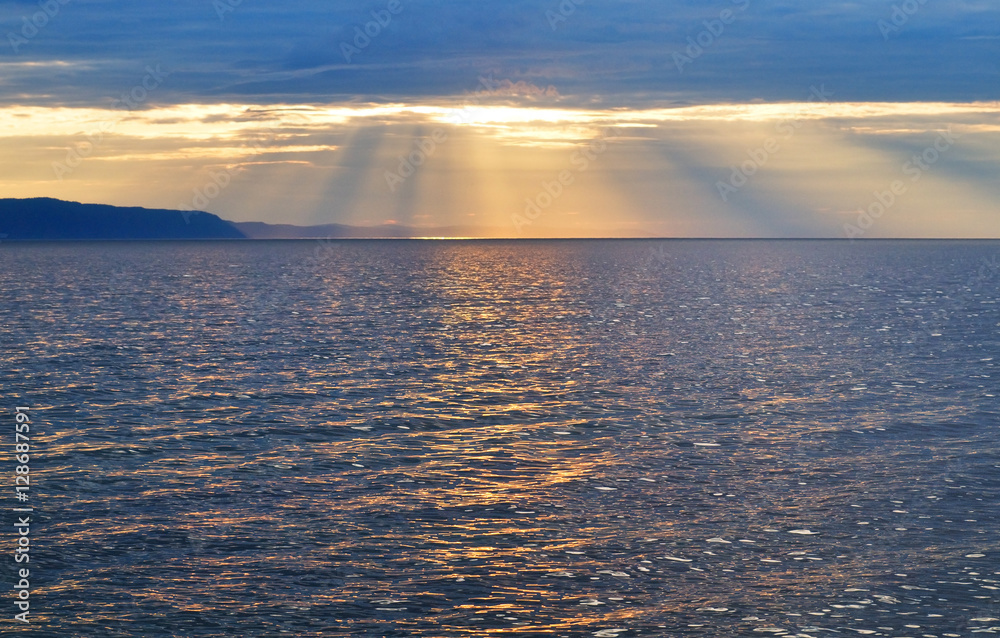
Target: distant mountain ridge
<point x="47" y="219"/>
<point x="260" y="230"/>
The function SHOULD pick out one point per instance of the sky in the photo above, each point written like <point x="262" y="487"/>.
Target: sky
<point x="520" y="118"/>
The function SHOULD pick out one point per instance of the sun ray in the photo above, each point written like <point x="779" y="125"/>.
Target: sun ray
<point x="310" y="164"/>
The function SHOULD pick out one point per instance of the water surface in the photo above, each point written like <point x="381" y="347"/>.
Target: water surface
<point x="579" y="438"/>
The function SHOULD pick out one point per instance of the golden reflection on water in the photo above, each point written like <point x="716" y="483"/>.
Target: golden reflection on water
<point x="476" y="440"/>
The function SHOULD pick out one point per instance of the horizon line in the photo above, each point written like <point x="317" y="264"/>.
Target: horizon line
<point x="458" y="239"/>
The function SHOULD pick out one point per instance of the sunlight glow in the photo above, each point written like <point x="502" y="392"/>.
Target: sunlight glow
<point x="230" y="121"/>
<point x="518" y="170"/>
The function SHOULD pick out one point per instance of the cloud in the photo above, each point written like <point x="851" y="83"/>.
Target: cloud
<point x="507" y="88"/>
<point x="685" y="89"/>
<point x="658" y="169"/>
<point x="612" y="53"/>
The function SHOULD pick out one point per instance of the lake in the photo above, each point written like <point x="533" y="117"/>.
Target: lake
<point x="535" y="438"/>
